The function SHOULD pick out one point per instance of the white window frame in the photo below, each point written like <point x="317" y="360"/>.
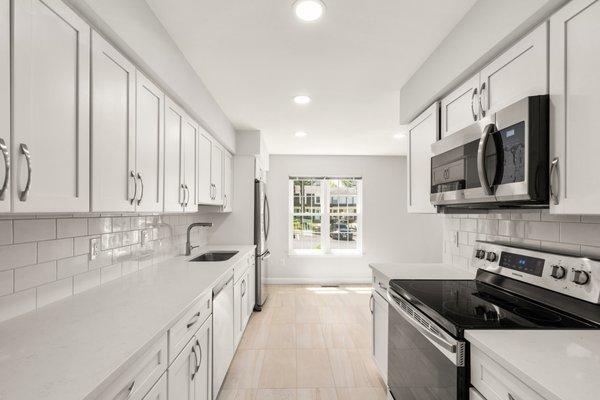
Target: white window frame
<point x="325" y="249"/>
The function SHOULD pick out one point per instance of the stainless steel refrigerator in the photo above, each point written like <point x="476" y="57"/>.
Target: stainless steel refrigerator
<point x="261" y="234"/>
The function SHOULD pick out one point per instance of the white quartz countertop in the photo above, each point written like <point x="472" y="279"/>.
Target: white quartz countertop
<point x="558" y="364"/>
<point x="421" y="271"/>
<point x="65" y="350"/>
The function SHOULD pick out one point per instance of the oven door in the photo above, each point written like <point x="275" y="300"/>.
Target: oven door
<point x="424" y="362"/>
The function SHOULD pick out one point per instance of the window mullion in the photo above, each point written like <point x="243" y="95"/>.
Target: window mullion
<point x="325" y="240"/>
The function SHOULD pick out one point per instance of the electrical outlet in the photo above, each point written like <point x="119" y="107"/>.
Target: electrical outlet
<point x="94" y="248"/>
<point x="144" y="236"/>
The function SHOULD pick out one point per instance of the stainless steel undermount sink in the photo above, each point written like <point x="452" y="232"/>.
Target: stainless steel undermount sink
<point x="213" y="256"/>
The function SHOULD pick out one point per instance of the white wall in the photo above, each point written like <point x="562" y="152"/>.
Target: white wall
<point x="389" y="233"/>
<point x="488" y="28"/>
<point x="134" y="29"/>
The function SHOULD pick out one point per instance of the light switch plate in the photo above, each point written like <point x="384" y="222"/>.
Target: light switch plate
<point x="94" y="248"/>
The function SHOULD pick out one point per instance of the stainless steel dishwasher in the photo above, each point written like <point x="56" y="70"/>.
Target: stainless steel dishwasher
<point x="222" y="331"/>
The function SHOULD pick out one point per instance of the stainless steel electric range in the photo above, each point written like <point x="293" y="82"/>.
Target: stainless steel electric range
<point x="515" y="288"/>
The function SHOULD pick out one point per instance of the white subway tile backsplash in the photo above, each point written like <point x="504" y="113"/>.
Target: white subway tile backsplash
<point x="560" y="218"/>
<point x="86" y="281"/>
<point x="487" y="226"/>
<point x="81" y="245"/>
<point x="6" y="232"/>
<point x="55" y="249"/>
<point x="112" y="240"/>
<point x="110" y="273"/>
<point x="511" y="228"/>
<point x="17" y="304"/>
<point x="6" y="282"/>
<point x="72" y="266"/>
<point x="548" y="231"/>
<point x="468" y="225"/>
<point x="99" y="225"/>
<point x="17" y="255"/>
<point x="33" y="230"/>
<point x="34" y="275"/>
<point x="71" y="227"/>
<point x="103" y="259"/>
<point x="54" y="291"/>
<point x="590" y="251"/>
<point x="121" y="224"/>
<point x="588" y="234"/>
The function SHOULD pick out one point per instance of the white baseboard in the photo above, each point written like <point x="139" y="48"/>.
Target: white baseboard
<point x="317" y="281"/>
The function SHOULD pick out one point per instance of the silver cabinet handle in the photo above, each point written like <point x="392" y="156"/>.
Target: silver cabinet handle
<point x="243" y="287"/>
<point x="199" y="355"/>
<point x="6" y="156"/>
<point x="554" y="171"/>
<point x="483" y="178"/>
<point x="25" y="150"/>
<point x="483" y="110"/>
<point x="187" y="197"/>
<point x="132" y="176"/>
<point x="193" y="320"/>
<point x="130" y="388"/>
<point x="224" y="201"/>
<point x="371" y="306"/>
<point x="510" y="397"/>
<point x="182" y="189"/>
<point x="139" y="176"/>
<point x="472" y="106"/>
<point x="196" y="362"/>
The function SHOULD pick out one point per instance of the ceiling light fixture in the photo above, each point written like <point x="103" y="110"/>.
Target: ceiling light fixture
<point x="302" y="99"/>
<point x="300" y="134"/>
<point x="309" y="10"/>
<point x="399" y="135"/>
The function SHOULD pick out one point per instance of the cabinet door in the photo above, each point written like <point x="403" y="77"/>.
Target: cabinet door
<point x="204" y="164"/>
<point x="149" y="145"/>
<point x="238" y="313"/>
<point x="227" y="182"/>
<point x="251" y="289"/>
<point x="159" y="390"/>
<point x="113" y="129"/>
<point x="216" y="174"/>
<point x="173" y="172"/>
<point x="51" y="80"/>
<point x="5" y="194"/>
<point x="245" y="304"/>
<point x="379" y="309"/>
<point x="422" y="133"/>
<point x="188" y="150"/>
<point x="461" y="107"/>
<point x="181" y="373"/>
<point x="520" y="72"/>
<point x="575" y="100"/>
<point x="203" y="375"/>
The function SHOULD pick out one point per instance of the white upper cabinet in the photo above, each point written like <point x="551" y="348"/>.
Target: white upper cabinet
<point x="5" y="195"/>
<point x="189" y="133"/>
<point x="461" y="107"/>
<point x="422" y="133"/>
<point x="114" y="179"/>
<point x="174" y="193"/>
<point x="519" y="72"/>
<point x="149" y="145"/>
<point x="204" y="165"/>
<point x="216" y="173"/>
<point x="51" y="81"/>
<point x="227" y="182"/>
<point x="574" y="103"/>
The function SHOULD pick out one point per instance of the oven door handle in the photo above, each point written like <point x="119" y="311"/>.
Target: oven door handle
<point x="450" y="347"/>
<point x="483" y="178"/>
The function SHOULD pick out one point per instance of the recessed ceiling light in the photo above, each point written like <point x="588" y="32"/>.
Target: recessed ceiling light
<point x="302" y="99"/>
<point x="399" y="135"/>
<point x="309" y="10"/>
<point x="300" y="134"/>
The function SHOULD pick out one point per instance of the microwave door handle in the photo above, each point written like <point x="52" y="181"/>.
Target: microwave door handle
<point x="483" y="178"/>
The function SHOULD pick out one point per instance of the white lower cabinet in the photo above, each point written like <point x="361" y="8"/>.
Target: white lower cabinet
<point x="475" y="395"/>
<point x="574" y="101"/>
<point x="138" y="378"/>
<point x="494" y="382"/>
<point x="159" y="390"/>
<point x="422" y="133"/>
<point x="240" y="308"/>
<point x="379" y="311"/>
<point x="251" y="287"/>
<point x="190" y="374"/>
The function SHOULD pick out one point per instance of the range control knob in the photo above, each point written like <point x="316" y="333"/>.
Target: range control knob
<point x="491" y="256"/>
<point x="558" y="272"/>
<point x="480" y="254"/>
<point x="581" y="277"/>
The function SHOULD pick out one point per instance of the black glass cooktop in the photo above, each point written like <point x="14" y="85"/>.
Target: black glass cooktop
<point x="457" y="305"/>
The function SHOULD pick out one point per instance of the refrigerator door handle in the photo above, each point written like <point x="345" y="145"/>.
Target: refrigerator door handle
<point x="267" y="218"/>
<point x="265" y="255"/>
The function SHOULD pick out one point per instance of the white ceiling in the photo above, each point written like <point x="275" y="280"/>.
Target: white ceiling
<point x="255" y="56"/>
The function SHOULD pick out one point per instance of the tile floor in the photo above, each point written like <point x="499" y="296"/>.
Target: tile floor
<point x="308" y="343"/>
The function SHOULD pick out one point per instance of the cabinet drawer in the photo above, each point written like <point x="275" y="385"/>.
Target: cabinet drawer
<point x="137" y="379"/>
<point x="159" y="390"/>
<point x="475" y="395"/>
<point x="184" y="329"/>
<point x="496" y="383"/>
<point x="241" y="267"/>
<point x="380" y="284"/>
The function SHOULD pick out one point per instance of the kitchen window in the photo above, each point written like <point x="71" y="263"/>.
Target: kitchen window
<point x="325" y="215"/>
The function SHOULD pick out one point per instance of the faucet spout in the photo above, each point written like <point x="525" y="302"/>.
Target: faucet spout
<point x="188" y="244"/>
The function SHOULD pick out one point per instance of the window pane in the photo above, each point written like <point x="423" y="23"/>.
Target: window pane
<point x="343" y="232"/>
<point x="307" y="233"/>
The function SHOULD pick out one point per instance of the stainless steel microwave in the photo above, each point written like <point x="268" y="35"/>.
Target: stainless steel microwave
<point x="498" y="162"/>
